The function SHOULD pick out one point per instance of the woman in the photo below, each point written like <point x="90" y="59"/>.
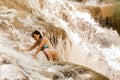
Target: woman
<point x="43" y="45"/>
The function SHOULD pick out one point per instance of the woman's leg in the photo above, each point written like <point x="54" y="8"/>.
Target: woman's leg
<point x="54" y="54"/>
<point x="48" y="54"/>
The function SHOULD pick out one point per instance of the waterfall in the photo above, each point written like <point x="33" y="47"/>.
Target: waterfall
<point x="92" y="45"/>
<point x="79" y="39"/>
<point x="91" y="2"/>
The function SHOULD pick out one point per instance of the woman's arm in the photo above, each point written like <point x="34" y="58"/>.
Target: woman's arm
<point x="43" y="42"/>
<point x="31" y="48"/>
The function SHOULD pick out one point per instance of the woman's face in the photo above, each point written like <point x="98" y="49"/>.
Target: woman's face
<point x="36" y="37"/>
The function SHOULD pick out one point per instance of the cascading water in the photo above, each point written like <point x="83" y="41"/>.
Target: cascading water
<point x="91" y="2"/>
<point x="90" y="44"/>
<point x="95" y="45"/>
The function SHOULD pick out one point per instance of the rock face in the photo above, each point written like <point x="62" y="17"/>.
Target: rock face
<point x="61" y="22"/>
<point x="51" y="71"/>
<point x="9" y="71"/>
<point x="76" y="72"/>
<point x="12" y="72"/>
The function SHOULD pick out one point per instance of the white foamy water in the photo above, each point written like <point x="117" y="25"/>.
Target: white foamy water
<point x="112" y="55"/>
<point x="92" y="46"/>
<point x="90" y="51"/>
<point x="92" y="2"/>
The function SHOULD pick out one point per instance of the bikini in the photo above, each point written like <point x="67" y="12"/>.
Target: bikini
<point x="44" y="47"/>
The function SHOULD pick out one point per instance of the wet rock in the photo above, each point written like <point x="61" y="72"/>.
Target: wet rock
<point x="58" y="77"/>
<point x="12" y="72"/>
<point x="55" y="77"/>
<point x="80" y="70"/>
<point x="69" y="74"/>
<point x="76" y="72"/>
<point x="4" y="59"/>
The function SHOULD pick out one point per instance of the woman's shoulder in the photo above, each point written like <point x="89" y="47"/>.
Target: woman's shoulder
<point x="45" y="38"/>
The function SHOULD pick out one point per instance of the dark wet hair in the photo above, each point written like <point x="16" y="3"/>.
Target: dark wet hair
<point x="38" y="33"/>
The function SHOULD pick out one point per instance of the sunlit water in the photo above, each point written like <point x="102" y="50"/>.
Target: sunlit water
<point x="92" y="46"/>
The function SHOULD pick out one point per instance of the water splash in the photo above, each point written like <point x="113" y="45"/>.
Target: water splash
<point x="91" y="2"/>
<point x="90" y="42"/>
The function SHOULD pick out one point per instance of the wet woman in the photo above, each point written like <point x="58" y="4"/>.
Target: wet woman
<point x="43" y="44"/>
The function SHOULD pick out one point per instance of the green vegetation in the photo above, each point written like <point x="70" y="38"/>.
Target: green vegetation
<point x="115" y="19"/>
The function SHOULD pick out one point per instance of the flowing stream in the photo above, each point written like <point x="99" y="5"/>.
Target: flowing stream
<point x="92" y="46"/>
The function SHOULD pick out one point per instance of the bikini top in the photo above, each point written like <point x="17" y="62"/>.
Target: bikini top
<point x="44" y="47"/>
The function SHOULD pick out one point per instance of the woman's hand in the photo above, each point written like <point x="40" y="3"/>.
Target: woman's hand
<point x="23" y="49"/>
<point x="34" y="56"/>
<point x="36" y="53"/>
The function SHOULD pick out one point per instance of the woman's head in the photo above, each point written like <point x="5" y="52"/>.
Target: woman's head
<point x="36" y="35"/>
